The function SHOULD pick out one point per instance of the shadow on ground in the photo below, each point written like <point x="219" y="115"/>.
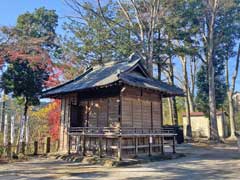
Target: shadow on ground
<point x="200" y="163"/>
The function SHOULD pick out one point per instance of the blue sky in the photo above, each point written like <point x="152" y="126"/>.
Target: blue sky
<point x="11" y="9"/>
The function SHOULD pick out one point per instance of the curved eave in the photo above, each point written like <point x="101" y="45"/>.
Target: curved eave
<point x="60" y="95"/>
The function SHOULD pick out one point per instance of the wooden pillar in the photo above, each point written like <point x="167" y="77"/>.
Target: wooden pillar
<point x="88" y="143"/>
<point x="119" y="155"/>
<point x="100" y="147"/>
<point x="174" y="147"/>
<point x="69" y="144"/>
<point x="84" y="146"/>
<point x="150" y="145"/>
<point x="48" y="145"/>
<point x="78" y="141"/>
<point x="162" y="145"/>
<point x="161" y="110"/>
<point x="106" y="146"/>
<point x="136" y="146"/>
<point x="35" y="151"/>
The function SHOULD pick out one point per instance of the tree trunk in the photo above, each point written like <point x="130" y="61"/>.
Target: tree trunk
<point x="22" y="127"/>
<point x="193" y="70"/>
<point x="170" y="110"/>
<point x="3" y="112"/>
<point x="231" y="116"/>
<point x="175" y="114"/>
<point x="5" y="132"/>
<point x="186" y="88"/>
<point x="211" y="74"/>
<point x="27" y="131"/>
<point x="212" y="103"/>
<point x="12" y="129"/>
<point x="230" y="94"/>
<point x="191" y="103"/>
<point x="173" y="99"/>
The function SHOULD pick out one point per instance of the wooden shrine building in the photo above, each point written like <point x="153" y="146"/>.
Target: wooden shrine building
<point x="113" y="109"/>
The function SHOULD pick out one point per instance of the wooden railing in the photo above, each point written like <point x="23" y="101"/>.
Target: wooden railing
<point x="124" y="131"/>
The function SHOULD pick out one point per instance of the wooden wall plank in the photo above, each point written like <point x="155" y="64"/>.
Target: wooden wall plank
<point x="137" y="93"/>
<point x="127" y="115"/>
<point x="102" y="113"/>
<point x="156" y="114"/>
<point x="146" y="113"/>
<point x="113" y="112"/>
<point x="137" y="115"/>
<point x="92" y="114"/>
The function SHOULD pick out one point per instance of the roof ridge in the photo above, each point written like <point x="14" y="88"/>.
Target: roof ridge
<point x="133" y="57"/>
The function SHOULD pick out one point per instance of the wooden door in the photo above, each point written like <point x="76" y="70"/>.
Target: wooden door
<point x="77" y="116"/>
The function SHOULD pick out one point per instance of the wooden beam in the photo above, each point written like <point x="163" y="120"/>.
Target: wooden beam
<point x="161" y="111"/>
<point x="78" y="138"/>
<point x="150" y="140"/>
<point x="35" y="151"/>
<point x="108" y="112"/>
<point x="84" y="145"/>
<point x="151" y="115"/>
<point x="136" y="146"/>
<point x="100" y="147"/>
<point x="162" y="145"/>
<point x="119" y="155"/>
<point x="69" y="144"/>
<point x="48" y="145"/>
<point x="88" y="107"/>
<point x="174" y="147"/>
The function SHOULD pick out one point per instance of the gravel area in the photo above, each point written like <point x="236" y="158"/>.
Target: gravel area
<point x="201" y="162"/>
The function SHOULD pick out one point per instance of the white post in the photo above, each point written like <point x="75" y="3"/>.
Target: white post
<point x="12" y="129"/>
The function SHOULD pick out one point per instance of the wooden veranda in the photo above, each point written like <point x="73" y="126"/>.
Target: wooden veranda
<point x="94" y="141"/>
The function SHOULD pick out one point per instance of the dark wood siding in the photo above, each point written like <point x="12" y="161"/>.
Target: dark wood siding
<point x="141" y="108"/>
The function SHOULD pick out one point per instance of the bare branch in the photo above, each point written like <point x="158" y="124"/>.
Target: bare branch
<point x="125" y="13"/>
<point x="104" y="18"/>
<point x="137" y="15"/>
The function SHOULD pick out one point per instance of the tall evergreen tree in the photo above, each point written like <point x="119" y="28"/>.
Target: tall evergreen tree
<point x="202" y="97"/>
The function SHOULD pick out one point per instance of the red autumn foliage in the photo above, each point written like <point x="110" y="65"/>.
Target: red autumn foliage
<point x="54" y="119"/>
<point x="31" y="50"/>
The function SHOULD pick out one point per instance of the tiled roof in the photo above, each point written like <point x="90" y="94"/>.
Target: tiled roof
<point x="112" y="72"/>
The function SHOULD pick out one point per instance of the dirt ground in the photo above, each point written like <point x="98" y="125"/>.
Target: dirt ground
<point x="201" y="162"/>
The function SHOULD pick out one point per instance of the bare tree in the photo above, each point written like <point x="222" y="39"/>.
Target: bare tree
<point x="141" y="19"/>
<point x="172" y="100"/>
<point x="183" y="60"/>
<point x="5" y="132"/>
<point x="193" y="74"/>
<point x="3" y="111"/>
<point x="208" y="40"/>
<point x="12" y="129"/>
<point x="21" y="133"/>
<point x="27" y="130"/>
